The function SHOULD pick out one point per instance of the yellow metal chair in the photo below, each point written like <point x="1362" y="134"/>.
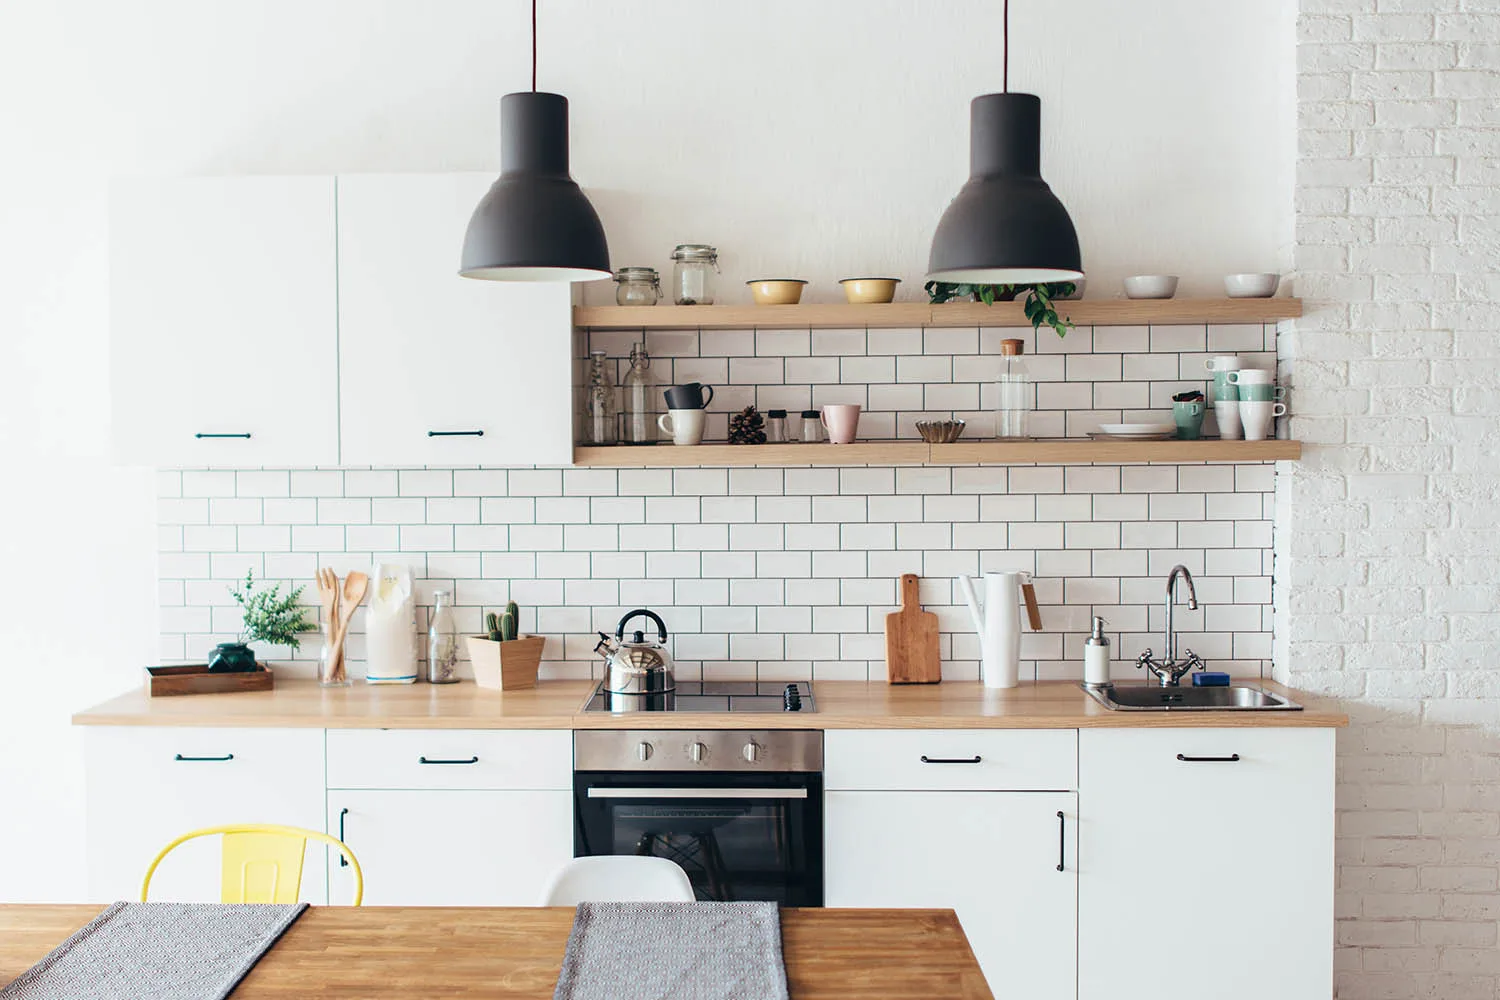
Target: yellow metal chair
<point x="261" y="862"/>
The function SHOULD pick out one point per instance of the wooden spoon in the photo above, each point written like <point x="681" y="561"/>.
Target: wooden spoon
<point x="328" y="591"/>
<point x="355" y="585"/>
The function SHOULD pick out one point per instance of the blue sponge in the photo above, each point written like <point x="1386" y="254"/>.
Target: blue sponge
<point x="1210" y="679"/>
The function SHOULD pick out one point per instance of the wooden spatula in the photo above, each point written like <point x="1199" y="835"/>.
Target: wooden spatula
<point x="911" y="639"/>
<point x="355" y="585"/>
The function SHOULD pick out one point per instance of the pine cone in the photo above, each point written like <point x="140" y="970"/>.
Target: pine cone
<point x="747" y="427"/>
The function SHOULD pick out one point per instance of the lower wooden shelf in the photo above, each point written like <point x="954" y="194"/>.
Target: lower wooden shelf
<point x="1056" y="451"/>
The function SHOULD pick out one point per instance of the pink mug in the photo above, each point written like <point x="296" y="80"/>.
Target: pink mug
<point x="841" y="421"/>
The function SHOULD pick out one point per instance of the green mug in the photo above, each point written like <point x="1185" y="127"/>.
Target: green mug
<point x="1259" y="393"/>
<point x="1189" y="419"/>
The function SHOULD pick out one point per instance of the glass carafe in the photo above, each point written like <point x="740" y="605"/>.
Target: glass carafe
<point x="1013" y="407"/>
<point x="601" y="411"/>
<point x="442" y="641"/>
<point x="638" y="398"/>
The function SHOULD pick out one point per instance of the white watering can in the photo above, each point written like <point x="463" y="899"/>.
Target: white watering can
<point x="999" y="626"/>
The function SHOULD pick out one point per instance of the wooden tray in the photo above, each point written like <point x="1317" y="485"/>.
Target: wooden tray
<point x="194" y="678"/>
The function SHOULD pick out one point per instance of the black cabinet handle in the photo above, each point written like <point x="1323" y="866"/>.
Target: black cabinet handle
<point x="200" y="436"/>
<point x="455" y="434"/>
<point x="1232" y="758"/>
<point x="1062" y="838"/>
<point x="951" y="760"/>
<point x="227" y="756"/>
<point x="424" y="760"/>
<point x="343" y="861"/>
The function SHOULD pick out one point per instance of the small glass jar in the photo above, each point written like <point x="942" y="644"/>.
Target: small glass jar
<point x="693" y="268"/>
<point x="442" y="641"/>
<point x="775" y="427"/>
<point x="1013" y="412"/>
<point x="601" y="409"/>
<point x="638" y="398"/>
<point x="637" y="286"/>
<point x="812" y="426"/>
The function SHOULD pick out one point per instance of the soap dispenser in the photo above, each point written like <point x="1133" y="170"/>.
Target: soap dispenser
<point x="1096" y="657"/>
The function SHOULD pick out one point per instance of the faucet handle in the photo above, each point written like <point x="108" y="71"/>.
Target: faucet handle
<point x="1143" y="660"/>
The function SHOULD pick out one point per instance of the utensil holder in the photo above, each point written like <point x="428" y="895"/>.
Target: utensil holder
<point x="505" y="666"/>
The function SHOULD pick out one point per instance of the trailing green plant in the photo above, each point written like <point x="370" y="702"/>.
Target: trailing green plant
<point x="270" y="616"/>
<point x="1038" y="306"/>
<point x="503" y="627"/>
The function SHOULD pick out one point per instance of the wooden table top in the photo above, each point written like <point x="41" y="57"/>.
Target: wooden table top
<point x="416" y="952"/>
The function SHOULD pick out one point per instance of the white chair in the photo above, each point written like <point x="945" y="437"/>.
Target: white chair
<point x="619" y="878"/>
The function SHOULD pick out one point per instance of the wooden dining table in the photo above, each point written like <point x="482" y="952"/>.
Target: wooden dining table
<point x="416" y="952"/>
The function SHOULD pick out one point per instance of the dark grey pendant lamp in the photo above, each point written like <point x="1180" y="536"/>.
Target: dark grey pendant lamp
<point x="534" y="224"/>
<point x="1005" y="226"/>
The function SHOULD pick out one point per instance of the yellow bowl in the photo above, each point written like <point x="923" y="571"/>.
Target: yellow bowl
<point x="866" y="291"/>
<point x="776" y="291"/>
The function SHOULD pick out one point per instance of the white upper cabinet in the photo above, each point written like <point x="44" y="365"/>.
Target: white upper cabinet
<point x="436" y="369"/>
<point x="223" y="305"/>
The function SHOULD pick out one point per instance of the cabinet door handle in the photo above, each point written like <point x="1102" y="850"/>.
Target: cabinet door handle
<point x="951" y="760"/>
<point x="437" y="760"/>
<point x="200" y="436"/>
<point x="455" y="434"/>
<point x="1232" y="758"/>
<point x="343" y="861"/>
<point x="227" y="756"/>
<point x="1062" y="838"/>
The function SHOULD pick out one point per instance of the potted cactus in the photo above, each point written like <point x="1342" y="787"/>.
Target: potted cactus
<point x="503" y="659"/>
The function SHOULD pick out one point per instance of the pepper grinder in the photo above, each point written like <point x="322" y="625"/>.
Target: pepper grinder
<point x="1096" y="657"/>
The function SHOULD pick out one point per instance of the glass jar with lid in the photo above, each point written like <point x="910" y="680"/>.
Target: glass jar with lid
<point x="637" y="286"/>
<point x="638" y="410"/>
<point x="601" y="408"/>
<point x="693" y="268"/>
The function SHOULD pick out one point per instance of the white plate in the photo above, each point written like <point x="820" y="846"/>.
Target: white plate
<point x="1138" y="429"/>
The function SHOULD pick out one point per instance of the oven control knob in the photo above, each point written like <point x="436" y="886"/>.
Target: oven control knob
<point x="697" y="751"/>
<point x="751" y="752"/>
<point x="643" y="751"/>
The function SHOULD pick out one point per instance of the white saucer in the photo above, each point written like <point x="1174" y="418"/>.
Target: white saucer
<point x="1134" y="430"/>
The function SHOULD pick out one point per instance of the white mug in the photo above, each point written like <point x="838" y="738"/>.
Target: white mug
<point x="1251" y="376"/>
<point x="1222" y="363"/>
<point x="1227" y="413"/>
<point x="1259" y="418"/>
<point x="685" y="426"/>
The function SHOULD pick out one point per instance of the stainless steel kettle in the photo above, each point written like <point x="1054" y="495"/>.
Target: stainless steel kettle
<point x="637" y="665"/>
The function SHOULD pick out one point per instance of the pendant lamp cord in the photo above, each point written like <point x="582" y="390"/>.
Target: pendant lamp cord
<point x="533" y="45"/>
<point x="1004" y="49"/>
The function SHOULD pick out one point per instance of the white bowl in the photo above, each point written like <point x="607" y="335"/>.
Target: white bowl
<point x="1251" y="286"/>
<point x="1151" y="286"/>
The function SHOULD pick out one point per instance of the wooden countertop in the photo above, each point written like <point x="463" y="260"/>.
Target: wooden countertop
<point x="558" y="705"/>
<point x="517" y="952"/>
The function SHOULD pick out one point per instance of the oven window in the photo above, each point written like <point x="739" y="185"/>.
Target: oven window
<point x="734" y="842"/>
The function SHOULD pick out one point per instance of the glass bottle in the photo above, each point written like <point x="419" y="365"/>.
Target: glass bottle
<point x="775" y="427"/>
<point x="637" y="286"/>
<point x="638" y="398"/>
<point x="1013" y="407"/>
<point x="693" y="268"/>
<point x="601" y="411"/>
<point x="812" y="426"/>
<point x="442" y="641"/>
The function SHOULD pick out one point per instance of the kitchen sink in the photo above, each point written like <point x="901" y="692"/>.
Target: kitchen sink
<point x="1190" y="699"/>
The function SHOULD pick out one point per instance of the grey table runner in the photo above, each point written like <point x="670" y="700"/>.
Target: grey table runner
<point x="674" y="951"/>
<point x="157" y="951"/>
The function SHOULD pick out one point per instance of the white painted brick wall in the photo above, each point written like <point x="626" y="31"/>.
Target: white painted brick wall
<point x="1388" y="589"/>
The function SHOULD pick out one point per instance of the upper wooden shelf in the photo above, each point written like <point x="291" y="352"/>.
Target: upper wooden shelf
<point x="1048" y="452"/>
<point x="1100" y="312"/>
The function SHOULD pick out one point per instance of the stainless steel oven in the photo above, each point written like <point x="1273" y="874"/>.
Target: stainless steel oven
<point x="740" y="810"/>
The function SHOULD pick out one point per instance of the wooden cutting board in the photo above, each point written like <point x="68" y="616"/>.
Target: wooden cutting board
<point x="911" y="639"/>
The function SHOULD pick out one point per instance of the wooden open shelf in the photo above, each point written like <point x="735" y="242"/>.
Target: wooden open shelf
<point x="1047" y="452"/>
<point x="1100" y="312"/>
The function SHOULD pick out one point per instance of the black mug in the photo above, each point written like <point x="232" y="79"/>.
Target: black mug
<point x="689" y="397"/>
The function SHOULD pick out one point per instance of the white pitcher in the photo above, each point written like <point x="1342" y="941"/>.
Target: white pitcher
<point x="998" y="625"/>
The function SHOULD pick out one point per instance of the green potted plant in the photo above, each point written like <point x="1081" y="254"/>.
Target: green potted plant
<point x="1039" y="299"/>
<point x="269" y="617"/>
<point x="504" y="659"/>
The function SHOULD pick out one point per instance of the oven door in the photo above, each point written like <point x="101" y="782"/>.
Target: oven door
<point x="738" y="836"/>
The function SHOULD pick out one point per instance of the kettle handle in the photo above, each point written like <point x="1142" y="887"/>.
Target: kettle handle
<point x="661" y="626"/>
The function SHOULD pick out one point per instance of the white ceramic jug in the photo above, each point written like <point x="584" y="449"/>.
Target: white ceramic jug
<point x="999" y="626"/>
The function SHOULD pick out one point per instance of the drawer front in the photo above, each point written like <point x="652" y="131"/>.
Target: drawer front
<point x="1201" y="759"/>
<point x="450" y="758"/>
<point x="951" y="759"/>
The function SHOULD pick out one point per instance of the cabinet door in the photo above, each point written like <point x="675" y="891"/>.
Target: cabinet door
<point x="991" y="856"/>
<point x="224" y="321"/>
<point x="1237" y="851"/>
<point x="427" y="359"/>
<point x="451" y="848"/>
<point x="146" y="787"/>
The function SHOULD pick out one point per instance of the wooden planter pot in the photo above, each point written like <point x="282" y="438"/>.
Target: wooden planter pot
<point x="505" y="666"/>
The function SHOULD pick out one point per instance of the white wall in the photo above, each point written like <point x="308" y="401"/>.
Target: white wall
<point x="821" y="139"/>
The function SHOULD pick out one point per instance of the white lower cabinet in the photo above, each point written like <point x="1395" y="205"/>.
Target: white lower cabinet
<point x="1206" y="864"/>
<point x="991" y="856"/>
<point x="451" y="848"/>
<point x="148" y="786"/>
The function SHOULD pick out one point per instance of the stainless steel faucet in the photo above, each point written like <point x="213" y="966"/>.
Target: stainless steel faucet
<point x="1168" y="671"/>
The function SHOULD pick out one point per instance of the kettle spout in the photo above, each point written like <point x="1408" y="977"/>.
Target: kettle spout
<point x="966" y="584"/>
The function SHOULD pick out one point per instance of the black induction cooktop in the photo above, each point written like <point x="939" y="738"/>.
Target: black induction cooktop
<point x="765" y="697"/>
